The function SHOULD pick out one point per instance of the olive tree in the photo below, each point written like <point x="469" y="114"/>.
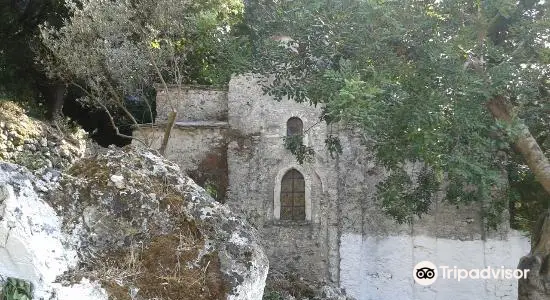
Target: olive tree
<point x="114" y="50"/>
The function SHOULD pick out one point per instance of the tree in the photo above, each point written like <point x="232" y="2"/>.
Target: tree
<point x="455" y="85"/>
<point x="115" y="50"/>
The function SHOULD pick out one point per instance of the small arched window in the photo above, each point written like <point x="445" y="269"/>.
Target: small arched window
<point x="294" y="126"/>
<point x="293" y="196"/>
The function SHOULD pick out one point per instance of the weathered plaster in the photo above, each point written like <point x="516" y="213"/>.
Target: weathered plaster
<point x="380" y="267"/>
<point x="188" y="145"/>
<point x="255" y="174"/>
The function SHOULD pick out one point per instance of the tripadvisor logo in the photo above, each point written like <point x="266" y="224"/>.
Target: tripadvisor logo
<point x="426" y="273"/>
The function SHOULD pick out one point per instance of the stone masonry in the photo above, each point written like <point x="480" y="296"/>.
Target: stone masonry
<point x="232" y="139"/>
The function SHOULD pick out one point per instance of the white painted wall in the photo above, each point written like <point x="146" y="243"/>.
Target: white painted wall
<point x="380" y="268"/>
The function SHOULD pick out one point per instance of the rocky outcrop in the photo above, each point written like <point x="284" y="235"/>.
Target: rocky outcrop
<point x="35" y="144"/>
<point x="124" y="224"/>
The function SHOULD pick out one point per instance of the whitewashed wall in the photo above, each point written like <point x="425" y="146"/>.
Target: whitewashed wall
<point x="380" y="268"/>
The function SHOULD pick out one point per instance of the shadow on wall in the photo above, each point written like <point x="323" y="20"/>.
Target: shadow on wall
<point x="212" y="173"/>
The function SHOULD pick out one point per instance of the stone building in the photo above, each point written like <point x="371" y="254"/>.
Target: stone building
<point x="319" y="220"/>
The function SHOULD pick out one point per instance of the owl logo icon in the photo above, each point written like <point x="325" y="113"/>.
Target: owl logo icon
<point x="425" y="273"/>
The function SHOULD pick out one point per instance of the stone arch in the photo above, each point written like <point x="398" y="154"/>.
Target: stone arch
<point x="321" y="179"/>
<point x="277" y="192"/>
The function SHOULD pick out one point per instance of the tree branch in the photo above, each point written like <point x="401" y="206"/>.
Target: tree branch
<point x="525" y="143"/>
<point x="111" y="119"/>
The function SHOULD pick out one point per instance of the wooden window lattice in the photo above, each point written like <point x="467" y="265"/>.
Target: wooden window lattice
<point x="293" y="196"/>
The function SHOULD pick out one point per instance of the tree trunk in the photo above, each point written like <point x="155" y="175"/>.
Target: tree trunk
<point x="525" y="143"/>
<point x="54" y="93"/>
<point x="537" y="284"/>
<point x="167" y="130"/>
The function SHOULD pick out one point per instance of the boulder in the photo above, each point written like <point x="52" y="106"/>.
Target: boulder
<point x="124" y="224"/>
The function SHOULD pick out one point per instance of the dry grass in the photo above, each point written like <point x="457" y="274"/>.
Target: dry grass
<point x="13" y="115"/>
<point x="167" y="268"/>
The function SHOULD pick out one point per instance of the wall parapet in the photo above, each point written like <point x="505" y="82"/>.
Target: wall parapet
<point x="187" y="124"/>
<point x="201" y="87"/>
<point x="192" y="104"/>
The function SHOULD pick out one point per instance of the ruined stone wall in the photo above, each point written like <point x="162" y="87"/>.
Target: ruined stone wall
<point x="198" y="140"/>
<point x="257" y="164"/>
<point x="199" y="149"/>
<point x="350" y="240"/>
<point x="189" y="145"/>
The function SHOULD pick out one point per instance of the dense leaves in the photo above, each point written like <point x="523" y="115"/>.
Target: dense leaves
<point x="16" y="289"/>
<point x="298" y="149"/>
<point x="115" y="51"/>
<point x="415" y="77"/>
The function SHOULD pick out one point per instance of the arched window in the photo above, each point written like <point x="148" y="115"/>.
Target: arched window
<point x="293" y="196"/>
<point x="294" y="126"/>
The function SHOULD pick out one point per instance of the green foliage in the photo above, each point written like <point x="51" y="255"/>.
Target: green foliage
<point x="211" y="189"/>
<point x="415" y="78"/>
<point x="16" y="289"/>
<point x="527" y="198"/>
<point x="117" y="50"/>
<point x="296" y="146"/>
<point x="403" y="199"/>
<point x="333" y="145"/>
<point x="32" y="106"/>
<point x="20" y="76"/>
<point x="272" y="295"/>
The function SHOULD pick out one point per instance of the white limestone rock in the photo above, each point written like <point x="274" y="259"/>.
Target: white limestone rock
<point x="32" y="245"/>
<point x="124" y="222"/>
<point x="84" y="290"/>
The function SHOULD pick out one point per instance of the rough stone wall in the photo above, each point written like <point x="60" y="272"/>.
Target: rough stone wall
<point x="256" y="163"/>
<point x="35" y="144"/>
<point x="198" y="140"/>
<point x="193" y="103"/>
<point x="350" y="241"/>
<point x="188" y="145"/>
